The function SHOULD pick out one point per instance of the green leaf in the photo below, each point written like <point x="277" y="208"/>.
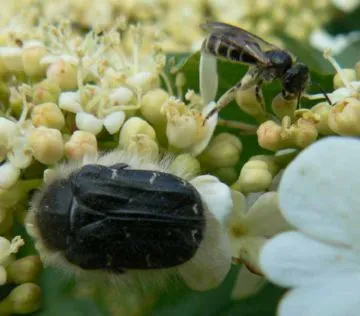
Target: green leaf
<point x="350" y="55"/>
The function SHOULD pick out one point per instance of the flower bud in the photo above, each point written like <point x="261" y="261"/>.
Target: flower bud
<point x="70" y="101"/>
<point x="303" y="133"/>
<point x="11" y="59"/>
<point x="24" y="270"/>
<point x="7" y="248"/>
<point x="25" y="298"/>
<point x="114" y="121"/>
<point x="151" y="105"/>
<point x="247" y="101"/>
<point x="6" y="220"/>
<point x="80" y="144"/>
<point x="227" y="175"/>
<point x="9" y="174"/>
<point x="16" y="101"/>
<point x="349" y="73"/>
<point x="135" y="126"/>
<point x="185" y="166"/>
<point x="47" y="145"/>
<point x="64" y="73"/>
<point x="143" y="145"/>
<point x="181" y="131"/>
<point x="46" y="91"/>
<point x="120" y="96"/>
<point x="270" y="136"/>
<point x="283" y="107"/>
<point x="20" y="155"/>
<point x="255" y="176"/>
<point x="323" y="109"/>
<point x="49" y="115"/>
<point x="223" y="151"/>
<point x="344" y="117"/>
<point x="88" y="122"/>
<point x="32" y="53"/>
<point x="143" y="81"/>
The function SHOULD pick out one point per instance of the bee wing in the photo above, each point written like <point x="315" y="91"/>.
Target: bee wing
<point x="241" y="39"/>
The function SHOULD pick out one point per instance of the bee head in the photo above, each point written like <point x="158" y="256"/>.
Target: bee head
<point x="296" y="79"/>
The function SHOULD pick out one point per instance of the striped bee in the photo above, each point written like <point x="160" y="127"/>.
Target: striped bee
<point x="267" y="62"/>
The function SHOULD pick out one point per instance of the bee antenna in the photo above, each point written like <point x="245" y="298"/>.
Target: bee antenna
<point x="322" y="91"/>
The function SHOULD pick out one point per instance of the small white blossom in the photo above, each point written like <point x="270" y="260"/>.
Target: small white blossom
<point x="88" y="122"/>
<point x="70" y="101"/>
<point x="318" y="194"/>
<point x="114" y="121"/>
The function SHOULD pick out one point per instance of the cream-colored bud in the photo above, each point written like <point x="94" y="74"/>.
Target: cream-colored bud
<point x="185" y="166"/>
<point x="269" y="136"/>
<point x="143" y="146"/>
<point x="143" y="81"/>
<point x="80" y="144"/>
<point x="64" y="73"/>
<point x="9" y="174"/>
<point x="6" y="220"/>
<point x="323" y="109"/>
<point x="88" y="123"/>
<point x="24" y="270"/>
<point x="271" y="162"/>
<point x="16" y="101"/>
<point x="283" y="107"/>
<point x="181" y="131"/>
<point x="46" y="91"/>
<point x="49" y="115"/>
<point x="255" y="176"/>
<point x="32" y="53"/>
<point x="151" y="105"/>
<point x="223" y="151"/>
<point x="344" y="117"/>
<point x="47" y="145"/>
<point x="11" y="59"/>
<point x="348" y="73"/>
<point x="247" y="101"/>
<point x="357" y="70"/>
<point x="70" y="101"/>
<point x="227" y="175"/>
<point x="121" y="96"/>
<point x="132" y="127"/>
<point x="304" y="133"/>
<point x="25" y="298"/>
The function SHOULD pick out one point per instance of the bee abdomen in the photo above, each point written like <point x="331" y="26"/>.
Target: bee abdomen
<point x="217" y="46"/>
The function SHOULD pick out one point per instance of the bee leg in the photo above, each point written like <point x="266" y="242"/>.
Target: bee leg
<point x="259" y="96"/>
<point x="246" y="129"/>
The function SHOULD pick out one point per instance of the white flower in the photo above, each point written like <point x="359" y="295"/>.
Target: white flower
<point x="318" y="194"/>
<point x="249" y="230"/>
<point x="346" y="5"/>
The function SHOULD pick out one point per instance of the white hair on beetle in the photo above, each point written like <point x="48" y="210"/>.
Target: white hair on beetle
<point x="205" y="257"/>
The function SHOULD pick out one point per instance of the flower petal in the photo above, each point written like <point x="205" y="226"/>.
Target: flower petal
<point x="247" y="284"/>
<point x="208" y="77"/>
<point x="334" y="297"/>
<point x="293" y="259"/>
<point x="211" y="263"/>
<point x="319" y="190"/>
<point x="216" y="195"/>
<point x="264" y="217"/>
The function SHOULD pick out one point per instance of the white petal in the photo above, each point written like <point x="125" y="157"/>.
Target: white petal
<point x="209" y="129"/>
<point x="319" y="191"/>
<point x="293" y="259"/>
<point x="88" y="123"/>
<point x="8" y="175"/>
<point x="216" y="195"/>
<point x="121" y="96"/>
<point x="208" y="77"/>
<point x="211" y="263"/>
<point x="70" y="101"/>
<point x="114" y="121"/>
<point x="247" y="284"/>
<point x="338" y="296"/>
<point x="264" y="217"/>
